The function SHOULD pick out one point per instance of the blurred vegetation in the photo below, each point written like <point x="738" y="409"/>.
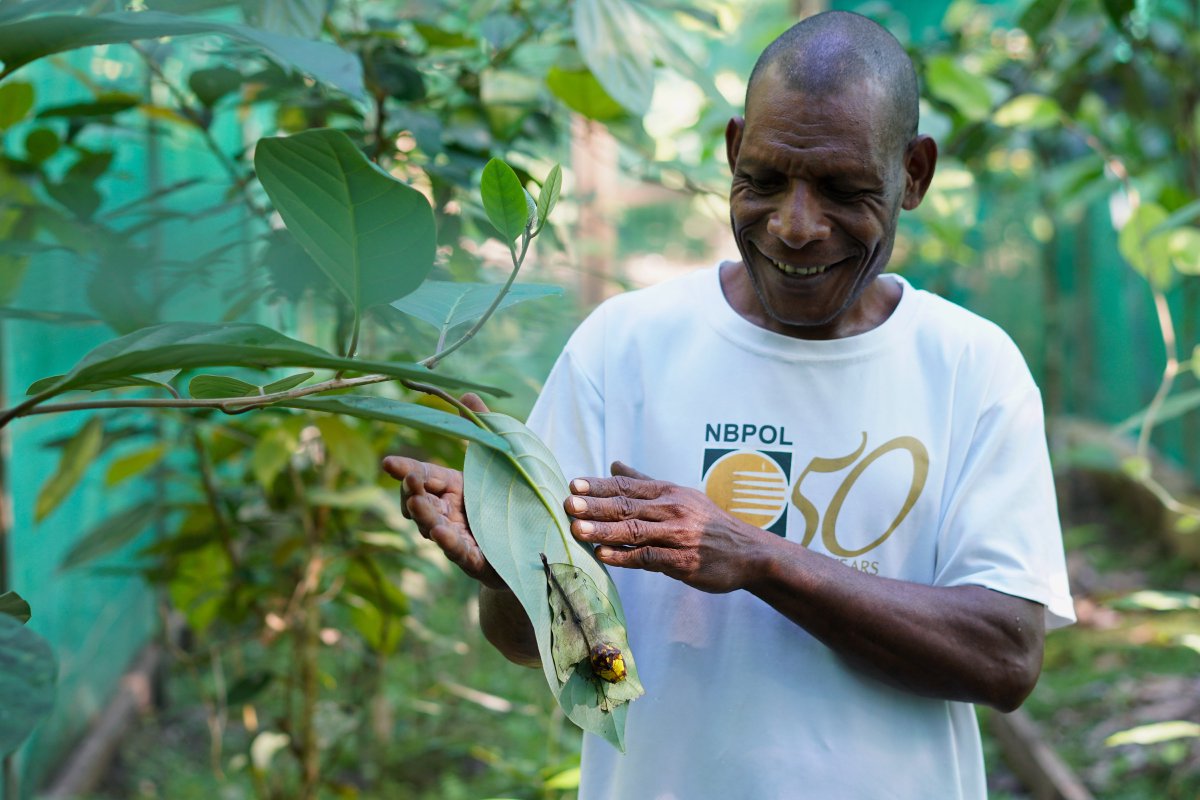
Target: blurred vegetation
<point x="1053" y="117"/>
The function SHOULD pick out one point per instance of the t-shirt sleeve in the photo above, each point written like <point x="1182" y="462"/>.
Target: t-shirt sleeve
<point x="1000" y="528"/>
<point x="569" y="418"/>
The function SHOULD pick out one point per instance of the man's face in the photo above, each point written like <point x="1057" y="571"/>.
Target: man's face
<point x="817" y="191"/>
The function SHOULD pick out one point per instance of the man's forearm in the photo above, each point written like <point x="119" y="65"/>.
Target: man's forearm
<point x="957" y="643"/>
<point x="506" y="625"/>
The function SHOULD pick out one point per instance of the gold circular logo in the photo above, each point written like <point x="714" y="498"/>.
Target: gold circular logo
<point x="749" y="486"/>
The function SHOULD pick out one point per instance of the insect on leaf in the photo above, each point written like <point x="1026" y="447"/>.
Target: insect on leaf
<point x="587" y="637"/>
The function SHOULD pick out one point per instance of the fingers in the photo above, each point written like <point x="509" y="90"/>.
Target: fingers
<point x="651" y="559"/>
<point x="620" y="507"/>
<point x="640" y="488"/>
<point x="431" y="477"/>
<point x="473" y="402"/>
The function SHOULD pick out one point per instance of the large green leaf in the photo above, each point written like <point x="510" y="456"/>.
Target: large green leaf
<point x="184" y="345"/>
<point x="615" y="42"/>
<point x="1148" y="252"/>
<point x="79" y="452"/>
<point x="292" y="17"/>
<point x="447" y="304"/>
<point x="15" y="606"/>
<point x="952" y="83"/>
<point x="581" y="92"/>
<point x="409" y="415"/>
<point x="156" y="381"/>
<point x="30" y="39"/>
<point x="107" y="536"/>
<point x="1037" y="15"/>
<point x="504" y="200"/>
<point x="16" y="99"/>
<point x="27" y="677"/>
<point x="515" y="504"/>
<point x="373" y="236"/>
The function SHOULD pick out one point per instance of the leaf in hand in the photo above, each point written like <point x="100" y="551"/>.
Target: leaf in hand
<point x="587" y="637"/>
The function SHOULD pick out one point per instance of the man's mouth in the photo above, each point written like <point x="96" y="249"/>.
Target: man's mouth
<point x="788" y="269"/>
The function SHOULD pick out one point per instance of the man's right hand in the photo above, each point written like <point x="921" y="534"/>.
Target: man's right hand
<point x="432" y="497"/>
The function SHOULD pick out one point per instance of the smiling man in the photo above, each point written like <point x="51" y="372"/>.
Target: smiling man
<point x="841" y="532"/>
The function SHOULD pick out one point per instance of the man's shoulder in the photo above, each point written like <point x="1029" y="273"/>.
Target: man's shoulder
<point x="957" y="326"/>
<point x="649" y="310"/>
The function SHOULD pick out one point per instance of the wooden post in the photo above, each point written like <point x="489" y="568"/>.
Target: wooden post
<point x="594" y="162"/>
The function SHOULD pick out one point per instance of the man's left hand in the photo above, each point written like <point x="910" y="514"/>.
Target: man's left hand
<point x="636" y="521"/>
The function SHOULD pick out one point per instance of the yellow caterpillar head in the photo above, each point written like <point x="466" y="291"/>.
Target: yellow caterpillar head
<point x="608" y="663"/>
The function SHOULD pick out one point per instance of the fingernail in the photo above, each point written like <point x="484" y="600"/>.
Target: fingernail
<point x="576" y="505"/>
<point x="584" y="527"/>
<point x="580" y="485"/>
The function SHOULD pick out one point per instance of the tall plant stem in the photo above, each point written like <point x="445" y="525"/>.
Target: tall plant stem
<point x="1170" y="371"/>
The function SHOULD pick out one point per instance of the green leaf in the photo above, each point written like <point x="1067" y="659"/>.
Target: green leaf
<point x="1155" y="733"/>
<point x="1118" y="10"/>
<point x="40" y="144"/>
<point x="105" y="105"/>
<point x="1184" y="247"/>
<point x="301" y="18"/>
<point x="381" y="502"/>
<point x="135" y="463"/>
<point x="122" y="382"/>
<point x="348" y="447"/>
<point x="447" y="304"/>
<point x="272" y="452"/>
<point x="515" y="503"/>
<point x="80" y="451"/>
<point x="409" y="415"/>
<point x="16" y="100"/>
<point x="548" y="196"/>
<point x="583" y="622"/>
<point x="613" y="40"/>
<point x="373" y="236"/>
<point x="185" y="345"/>
<point x="1154" y="600"/>
<point x="27" y="677"/>
<point x="1179" y="217"/>
<point x="504" y="200"/>
<point x="107" y="536"/>
<point x="30" y="39"/>
<point x="1031" y="111"/>
<point x="214" y="387"/>
<point x="951" y="83"/>
<point x="15" y="606"/>
<point x="285" y="384"/>
<point x="1174" y="406"/>
<point x="1148" y="253"/>
<point x="211" y="84"/>
<point x="1037" y="15"/>
<point x="38" y="315"/>
<point x="247" y="687"/>
<point x="377" y="606"/>
<point x="580" y="91"/>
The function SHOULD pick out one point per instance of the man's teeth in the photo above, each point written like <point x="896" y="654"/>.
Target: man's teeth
<point x="790" y="270"/>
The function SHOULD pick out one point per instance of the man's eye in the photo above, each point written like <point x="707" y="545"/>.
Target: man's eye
<point x="762" y="185"/>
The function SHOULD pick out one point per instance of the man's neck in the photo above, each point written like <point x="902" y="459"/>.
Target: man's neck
<point x="871" y="310"/>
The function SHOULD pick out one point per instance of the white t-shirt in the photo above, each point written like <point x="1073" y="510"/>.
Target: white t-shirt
<point x="914" y="451"/>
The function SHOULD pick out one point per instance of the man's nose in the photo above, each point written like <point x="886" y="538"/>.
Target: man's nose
<point x="800" y="218"/>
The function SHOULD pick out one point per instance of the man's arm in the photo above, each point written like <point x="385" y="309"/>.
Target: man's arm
<point x="957" y="643"/>
<point x="432" y="496"/>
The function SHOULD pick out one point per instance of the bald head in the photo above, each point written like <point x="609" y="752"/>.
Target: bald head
<point x="837" y="52"/>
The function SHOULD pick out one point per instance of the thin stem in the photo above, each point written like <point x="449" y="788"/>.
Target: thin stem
<point x="518" y="260"/>
<point x="230" y="405"/>
<point x="1170" y="370"/>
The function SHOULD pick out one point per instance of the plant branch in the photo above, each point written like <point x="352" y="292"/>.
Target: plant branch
<point x="230" y="405"/>
<point x="1170" y="370"/>
<point x="518" y="260"/>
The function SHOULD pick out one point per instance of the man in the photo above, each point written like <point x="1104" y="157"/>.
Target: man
<point x="851" y="534"/>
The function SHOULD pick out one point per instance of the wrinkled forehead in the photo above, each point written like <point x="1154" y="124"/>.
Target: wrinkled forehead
<point x="856" y="109"/>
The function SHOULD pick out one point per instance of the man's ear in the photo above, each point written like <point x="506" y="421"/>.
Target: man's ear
<point x="733" y="140"/>
<point x="920" y="160"/>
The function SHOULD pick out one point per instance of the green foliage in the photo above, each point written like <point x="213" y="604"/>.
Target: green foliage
<point x="372" y="235"/>
<point x="15" y="606"/>
<point x="27" y="675"/>
<point x="79" y="452"/>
